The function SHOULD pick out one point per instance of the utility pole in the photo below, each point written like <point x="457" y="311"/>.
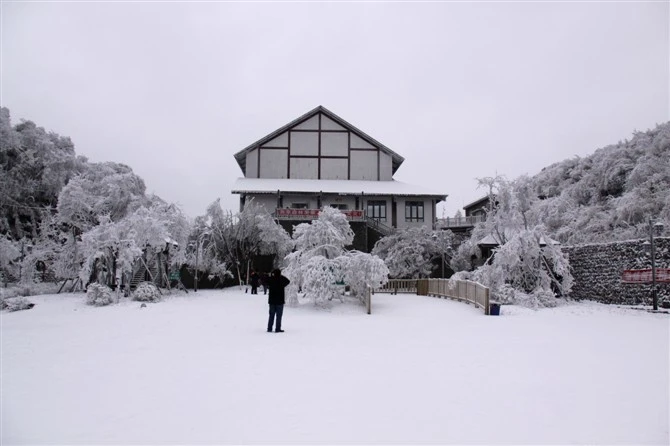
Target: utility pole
<point x="197" y="252"/>
<point x="21" y="264"/>
<point x="443" y="264"/>
<point x="654" y="296"/>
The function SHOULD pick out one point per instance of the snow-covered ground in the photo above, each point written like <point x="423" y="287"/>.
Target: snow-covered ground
<point x="200" y="368"/>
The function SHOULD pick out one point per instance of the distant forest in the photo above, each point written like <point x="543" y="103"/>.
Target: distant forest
<point x="606" y="196"/>
<point x="609" y="195"/>
<point x="35" y="168"/>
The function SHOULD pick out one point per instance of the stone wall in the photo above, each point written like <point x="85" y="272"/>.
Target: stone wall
<point x="597" y="270"/>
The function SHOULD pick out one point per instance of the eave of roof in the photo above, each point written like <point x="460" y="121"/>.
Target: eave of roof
<point x="241" y="158"/>
<point x="341" y="187"/>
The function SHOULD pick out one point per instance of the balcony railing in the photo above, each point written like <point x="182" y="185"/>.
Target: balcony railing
<point x="460" y="222"/>
<point x="379" y="226"/>
<point x="312" y="214"/>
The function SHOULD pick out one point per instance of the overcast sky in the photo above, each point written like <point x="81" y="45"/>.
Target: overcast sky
<point x="461" y="90"/>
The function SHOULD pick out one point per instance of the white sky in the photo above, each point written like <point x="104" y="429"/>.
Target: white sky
<point x="461" y="90"/>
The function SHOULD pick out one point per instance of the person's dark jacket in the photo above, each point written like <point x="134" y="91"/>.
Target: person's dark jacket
<point x="276" y="285"/>
<point x="254" y="279"/>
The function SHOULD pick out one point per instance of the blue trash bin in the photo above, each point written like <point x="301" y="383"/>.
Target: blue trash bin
<point x="494" y="309"/>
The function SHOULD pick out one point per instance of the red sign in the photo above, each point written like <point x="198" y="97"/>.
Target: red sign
<point x="309" y="213"/>
<point x="645" y="276"/>
<point x="313" y="213"/>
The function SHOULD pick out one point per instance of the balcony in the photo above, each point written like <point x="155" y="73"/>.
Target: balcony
<point x="311" y="214"/>
<point x="459" y="222"/>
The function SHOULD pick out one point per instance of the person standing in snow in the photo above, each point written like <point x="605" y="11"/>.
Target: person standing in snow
<point x="253" y="280"/>
<point x="264" y="282"/>
<point x="276" y="285"/>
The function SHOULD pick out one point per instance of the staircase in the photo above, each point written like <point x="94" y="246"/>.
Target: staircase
<point x="139" y="273"/>
<point x="375" y="225"/>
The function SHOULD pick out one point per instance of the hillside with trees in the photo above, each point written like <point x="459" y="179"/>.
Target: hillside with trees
<point x="63" y="217"/>
<point x="609" y="195"/>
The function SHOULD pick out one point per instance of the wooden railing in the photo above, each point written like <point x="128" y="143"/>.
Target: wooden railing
<point x="396" y="286"/>
<point x="313" y="214"/>
<point x="459" y="222"/>
<point x="461" y="290"/>
<point x="378" y="226"/>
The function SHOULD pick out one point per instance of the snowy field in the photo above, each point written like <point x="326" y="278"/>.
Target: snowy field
<point x="200" y="368"/>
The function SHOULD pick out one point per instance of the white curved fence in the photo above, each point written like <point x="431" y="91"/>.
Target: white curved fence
<point x="461" y="290"/>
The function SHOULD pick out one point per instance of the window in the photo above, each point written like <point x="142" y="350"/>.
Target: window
<point x="298" y="205"/>
<point x="377" y="209"/>
<point x="342" y="207"/>
<point x="414" y="211"/>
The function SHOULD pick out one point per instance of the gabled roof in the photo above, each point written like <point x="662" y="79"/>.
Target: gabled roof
<point x="484" y="199"/>
<point x="241" y="156"/>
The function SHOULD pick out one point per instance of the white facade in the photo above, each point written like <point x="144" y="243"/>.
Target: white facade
<point x="321" y="160"/>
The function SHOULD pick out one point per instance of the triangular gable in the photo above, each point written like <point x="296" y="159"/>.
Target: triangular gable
<point x="309" y="121"/>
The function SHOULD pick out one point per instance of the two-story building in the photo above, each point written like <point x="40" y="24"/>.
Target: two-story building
<point x="318" y="160"/>
<point x="475" y="212"/>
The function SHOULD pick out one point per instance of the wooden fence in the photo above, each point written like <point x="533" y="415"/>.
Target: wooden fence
<point x="461" y="290"/>
<point x="395" y="286"/>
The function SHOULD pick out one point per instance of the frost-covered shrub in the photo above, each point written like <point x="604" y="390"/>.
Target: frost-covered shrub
<point x="32" y="289"/>
<point x="146" y="292"/>
<point x="539" y="298"/>
<point x="99" y="295"/>
<point x="17" y="304"/>
<point x="363" y="270"/>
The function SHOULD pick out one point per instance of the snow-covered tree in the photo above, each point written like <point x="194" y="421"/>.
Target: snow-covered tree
<point x="409" y="253"/>
<point x="362" y="270"/>
<point x="118" y="245"/>
<point x="527" y="266"/>
<point x="108" y="189"/>
<point x="10" y="254"/>
<point x="610" y="194"/>
<point x="42" y="262"/>
<point x="34" y="166"/>
<point x="235" y="240"/>
<point x="314" y="267"/>
<point x="321" y="261"/>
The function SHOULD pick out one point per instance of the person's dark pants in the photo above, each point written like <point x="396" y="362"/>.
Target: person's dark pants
<point x="275" y="310"/>
<point x="265" y="289"/>
<point x="254" y="289"/>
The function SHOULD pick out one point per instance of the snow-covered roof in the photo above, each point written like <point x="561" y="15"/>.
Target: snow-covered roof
<point x="492" y="240"/>
<point x="170" y="240"/>
<point x="241" y="157"/>
<point x="476" y="202"/>
<point x="343" y="187"/>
